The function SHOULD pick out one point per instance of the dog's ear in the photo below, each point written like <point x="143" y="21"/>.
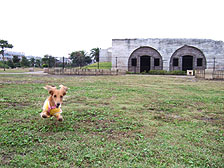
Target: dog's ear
<point x="64" y="89"/>
<point x="50" y="89"/>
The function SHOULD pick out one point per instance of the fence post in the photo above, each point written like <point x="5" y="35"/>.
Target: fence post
<point x="116" y="62"/>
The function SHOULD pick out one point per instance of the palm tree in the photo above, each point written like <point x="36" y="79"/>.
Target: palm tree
<point x="94" y="53"/>
<point x="4" y="44"/>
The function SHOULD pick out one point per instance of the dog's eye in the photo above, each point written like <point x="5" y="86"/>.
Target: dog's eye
<point x="55" y="96"/>
<point x="61" y="97"/>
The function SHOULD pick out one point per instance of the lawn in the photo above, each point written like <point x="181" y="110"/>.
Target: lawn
<point x="101" y="65"/>
<point x="113" y="121"/>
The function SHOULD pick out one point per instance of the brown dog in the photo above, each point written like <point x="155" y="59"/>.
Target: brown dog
<point x="52" y="105"/>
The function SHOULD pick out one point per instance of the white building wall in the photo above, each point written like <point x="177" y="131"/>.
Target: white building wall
<point x="123" y="48"/>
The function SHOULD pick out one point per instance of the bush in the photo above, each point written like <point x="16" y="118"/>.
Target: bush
<point x="158" y="72"/>
<point x="2" y="65"/>
<point x="161" y="72"/>
<point x="10" y="64"/>
<point x="177" y="73"/>
<point x="45" y="65"/>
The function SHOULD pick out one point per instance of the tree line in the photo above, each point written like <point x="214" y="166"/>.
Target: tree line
<point x="77" y="59"/>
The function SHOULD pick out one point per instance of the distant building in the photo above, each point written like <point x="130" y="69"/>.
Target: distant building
<point x="66" y="60"/>
<point x="139" y="55"/>
<point x="9" y="55"/>
<point x="36" y="58"/>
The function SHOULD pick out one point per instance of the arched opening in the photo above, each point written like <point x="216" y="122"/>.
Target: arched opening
<point x="145" y="59"/>
<point x="187" y="58"/>
<point x="187" y="63"/>
<point x="145" y="63"/>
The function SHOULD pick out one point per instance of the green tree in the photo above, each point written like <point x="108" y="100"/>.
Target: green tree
<point x="37" y="62"/>
<point x="48" y="61"/>
<point x="45" y="61"/>
<point x="4" y="44"/>
<point x="88" y="60"/>
<point x="94" y="54"/>
<point x="15" y="59"/>
<point x="80" y="58"/>
<point x="10" y="63"/>
<point x="24" y="62"/>
<point x="32" y="62"/>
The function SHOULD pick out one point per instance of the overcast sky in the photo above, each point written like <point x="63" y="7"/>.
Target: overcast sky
<point x="58" y="27"/>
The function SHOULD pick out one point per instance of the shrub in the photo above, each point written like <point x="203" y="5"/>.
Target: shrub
<point x="177" y="73"/>
<point x="45" y="65"/>
<point x="161" y="72"/>
<point x="2" y="65"/>
<point x="10" y="64"/>
<point x="158" y="72"/>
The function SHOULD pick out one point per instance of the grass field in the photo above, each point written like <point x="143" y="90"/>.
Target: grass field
<point x="102" y="65"/>
<point x="113" y="121"/>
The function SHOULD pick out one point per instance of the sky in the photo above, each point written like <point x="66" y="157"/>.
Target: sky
<point x="59" y="27"/>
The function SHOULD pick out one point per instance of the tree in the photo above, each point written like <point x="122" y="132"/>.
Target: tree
<point x="80" y="58"/>
<point x="88" y="60"/>
<point x="25" y="62"/>
<point x="45" y="61"/>
<point x="4" y="44"/>
<point x="15" y="59"/>
<point x="10" y="63"/>
<point x="32" y="62"/>
<point x="94" y="53"/>
<point x="37" y="62"/>
<point x="48" y="61"/>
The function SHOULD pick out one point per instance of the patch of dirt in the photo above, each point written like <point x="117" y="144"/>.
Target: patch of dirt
<point x="207" y="119"/>
<point x="169" y="117"/>
<point x="16" y="105"/>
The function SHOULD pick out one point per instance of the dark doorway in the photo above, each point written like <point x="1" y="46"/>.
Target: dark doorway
<point x="187" y="63"/>
<point x="145" y="63"/>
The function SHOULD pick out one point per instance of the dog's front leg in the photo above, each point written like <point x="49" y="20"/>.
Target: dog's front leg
<point x="45" y="114"/>
<point x="59" y="117"/>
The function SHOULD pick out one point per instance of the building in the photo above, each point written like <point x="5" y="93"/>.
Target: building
<point x="9" y="55"/>
<point x="139" y="55"/>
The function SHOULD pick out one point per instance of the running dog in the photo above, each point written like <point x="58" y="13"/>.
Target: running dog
<point x="52" y="105"/>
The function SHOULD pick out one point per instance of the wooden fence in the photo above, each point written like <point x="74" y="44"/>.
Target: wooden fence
<point x="210" y="74"/>
<point x="74" y="71"/>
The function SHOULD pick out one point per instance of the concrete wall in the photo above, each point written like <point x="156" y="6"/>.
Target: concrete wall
<point x="123" y="48"/>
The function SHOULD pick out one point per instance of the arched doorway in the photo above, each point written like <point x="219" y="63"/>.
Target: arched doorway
<point x="145" y="59"/>
<point x="187" y="58"/>
<point x="187" y="63"/>
<point x="145" y="63"/>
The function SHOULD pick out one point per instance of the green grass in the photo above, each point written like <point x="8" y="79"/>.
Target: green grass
<point x="119" y="121"/>
<point x="102" y="65"/>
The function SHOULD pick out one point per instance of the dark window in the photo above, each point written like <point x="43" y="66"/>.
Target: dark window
<point x="175" y="62"/>
<point x="199" y="61"/>
<point x="133" y="62"/>
<point x="156" y="62"/>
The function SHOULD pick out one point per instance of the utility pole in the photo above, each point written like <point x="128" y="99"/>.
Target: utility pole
<point x="63" y="62"/>
<point x="214" y="64"/>
<point x="116" y="62"/>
